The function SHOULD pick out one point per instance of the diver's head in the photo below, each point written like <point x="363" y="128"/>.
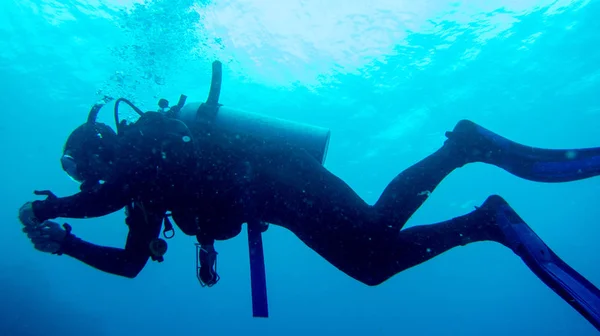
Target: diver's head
<point x="89" y="152"/>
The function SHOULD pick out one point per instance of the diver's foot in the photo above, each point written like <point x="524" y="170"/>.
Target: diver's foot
<point x="510" y="229"/>
<point x="487" y="215"/>
<point x="474" y="143"/>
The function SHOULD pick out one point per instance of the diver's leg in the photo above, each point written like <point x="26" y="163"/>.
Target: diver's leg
<point x="409" y="189"/>
<point x="296" y="192"/>
<point x="415" y="245"/>
<point x="474" y="143"/>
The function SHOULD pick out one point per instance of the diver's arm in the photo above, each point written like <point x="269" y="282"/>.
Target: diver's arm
<point x="95" y="202"/>
<point x="126" y="262"/>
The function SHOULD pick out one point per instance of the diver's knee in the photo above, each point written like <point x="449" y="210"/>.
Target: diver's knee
<point x="463" y="123"/>
<point x="371" y="279"/>
<point x="374" y="282"/>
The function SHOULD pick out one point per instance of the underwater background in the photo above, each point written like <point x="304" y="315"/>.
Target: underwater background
<point x="388" y="77"/>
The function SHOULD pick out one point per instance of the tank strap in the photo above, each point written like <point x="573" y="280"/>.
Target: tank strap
<point x="258" y="278"/>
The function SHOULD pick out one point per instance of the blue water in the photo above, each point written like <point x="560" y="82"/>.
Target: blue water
<point x="388" y="77"/>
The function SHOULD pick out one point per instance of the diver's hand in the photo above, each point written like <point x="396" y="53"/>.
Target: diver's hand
<point x="47" y="236"/>
<point x="26" y="215"/>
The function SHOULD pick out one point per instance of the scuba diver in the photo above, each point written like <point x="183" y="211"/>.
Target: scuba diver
<point x="190" y="163"/>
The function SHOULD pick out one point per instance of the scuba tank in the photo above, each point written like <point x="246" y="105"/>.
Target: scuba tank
<point x="313" y="139"/>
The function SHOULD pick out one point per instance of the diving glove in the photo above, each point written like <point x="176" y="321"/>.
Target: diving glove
<point x="47" y="236"/>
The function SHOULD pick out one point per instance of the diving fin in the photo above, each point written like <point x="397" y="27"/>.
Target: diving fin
<point x="474" y="143"/>
<point x="553" y="271"/>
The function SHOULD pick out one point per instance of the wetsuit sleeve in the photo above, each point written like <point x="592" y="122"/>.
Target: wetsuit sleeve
<point x="144" y="226"/>
<point x="95" y="202"/>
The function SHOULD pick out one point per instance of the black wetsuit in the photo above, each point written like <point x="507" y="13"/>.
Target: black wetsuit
<point x="218" y="181"/>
